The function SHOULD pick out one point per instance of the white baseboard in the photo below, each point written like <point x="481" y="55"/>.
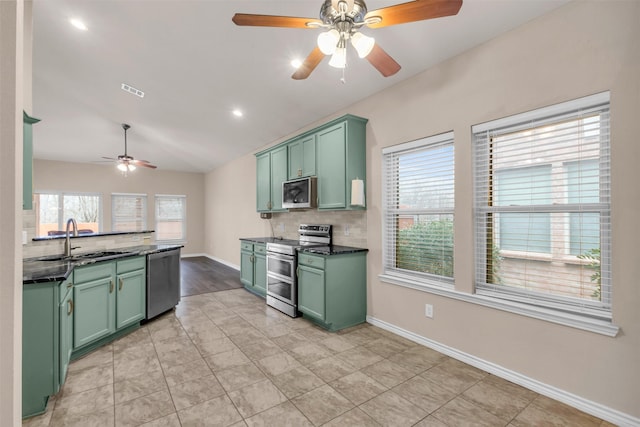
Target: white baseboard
<point x="191" y="255"/>
<point x="588" y="406"/>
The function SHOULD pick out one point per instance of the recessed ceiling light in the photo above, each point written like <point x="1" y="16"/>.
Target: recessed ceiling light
<point x="296" y="63"/>
<point x="78" y="24"/>
<point x="237" y="113"/>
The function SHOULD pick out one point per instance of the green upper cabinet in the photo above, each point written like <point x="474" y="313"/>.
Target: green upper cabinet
<point x="271" y="171"/>
<point x="302" y="157"/>
<point x="340" y="158"/>
<point x="334" y="152"/>
<point x="27" y="160"/>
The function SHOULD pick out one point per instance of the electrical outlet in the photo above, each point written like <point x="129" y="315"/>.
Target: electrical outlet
<point x="428" y="311"/>
<point x="281" y="227"/>
<point x="346" y="230"/>
<point x="135" y="238"/>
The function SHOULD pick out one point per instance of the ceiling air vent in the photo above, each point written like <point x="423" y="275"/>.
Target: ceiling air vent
<point x="132" y="90"/>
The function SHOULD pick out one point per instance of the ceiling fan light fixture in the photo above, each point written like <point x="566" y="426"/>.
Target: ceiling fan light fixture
<point x="363" y="44"/>
<point x="122" y="167"/>
<point x="339" y="58"/>
<point x="328" y="41"/>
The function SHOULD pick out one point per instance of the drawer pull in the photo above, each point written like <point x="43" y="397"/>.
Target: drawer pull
<point x="110" y="286"/>
<point x="69" y="285"/>
<point x="70" y="309"/>
<point x="121" y="283"/>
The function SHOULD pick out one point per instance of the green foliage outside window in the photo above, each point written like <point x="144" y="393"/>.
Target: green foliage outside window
<point x="593" y="256"/>
<point x="426" y="247"/>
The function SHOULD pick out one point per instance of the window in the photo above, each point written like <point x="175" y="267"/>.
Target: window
<point x="128" y="212"/>
<point x="171" y="218"/>
<point x="418" y="204"/>
<point x="542" y="211"/>
<point x="54" y="209"/>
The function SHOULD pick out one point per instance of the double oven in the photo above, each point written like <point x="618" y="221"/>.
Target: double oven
<point x="282" y="262"/>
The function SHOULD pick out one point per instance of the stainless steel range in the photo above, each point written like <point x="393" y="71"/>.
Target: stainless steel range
<point x="282" y="261"/>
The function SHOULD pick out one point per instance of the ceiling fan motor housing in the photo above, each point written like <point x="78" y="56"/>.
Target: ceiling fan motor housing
<point x="330" y="15"/>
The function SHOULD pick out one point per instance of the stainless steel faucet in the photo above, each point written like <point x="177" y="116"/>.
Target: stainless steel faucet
<point x="67" y="243"/>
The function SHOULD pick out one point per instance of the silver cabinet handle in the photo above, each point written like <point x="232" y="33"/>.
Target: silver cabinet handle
<point x="110" y="286"/>
<point x="70" y="309"/>
<point x="121" y="283"/>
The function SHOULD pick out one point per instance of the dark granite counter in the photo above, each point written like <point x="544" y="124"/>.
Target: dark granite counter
<point x="49" y="269"/>
<point x="264" y="239"/>
<point x="100" y="234"/>
<point x="332" y="250"/>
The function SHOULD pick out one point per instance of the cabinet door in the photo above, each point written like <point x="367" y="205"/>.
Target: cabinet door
<point x="302" y="157"/>
<point x="27" y="160"/>
<point x="130" y="302"/>
<point x="246" y="268"/>
<point x="66" y="329"/>
<point x="331" y="158"/>
<point x="94" y="311"/>
<point x="260" y="274"/>
<point x="311" y="292"/>
<point x="278" y="176"/>
<point x="263" y="182"/>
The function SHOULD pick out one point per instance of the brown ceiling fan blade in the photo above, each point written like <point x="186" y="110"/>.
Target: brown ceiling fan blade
<point x="412" y="11"/>
<point x="382" y="61"/>
<point x="109" y="158"/>
<point x="148" y="165"/>
<point x="140" y="161"/>
<point x="309" y="64"/>
<point x="273" y="21"/>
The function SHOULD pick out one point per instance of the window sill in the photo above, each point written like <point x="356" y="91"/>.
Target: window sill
<point x="566" y="319"/>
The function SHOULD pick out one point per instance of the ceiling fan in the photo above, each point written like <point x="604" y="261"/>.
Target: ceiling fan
<point x="125" y="162"/>
<point x="343" y="20"/>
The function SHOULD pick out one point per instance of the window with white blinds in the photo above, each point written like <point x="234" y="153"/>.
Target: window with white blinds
<point x="542" y="208"/>
<point x="171" y="218"/>
<point x="418" y="202"/>
<point x="128" y="212"/>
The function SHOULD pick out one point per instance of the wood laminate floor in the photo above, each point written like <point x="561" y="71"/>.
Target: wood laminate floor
<point x="201" y="275"/>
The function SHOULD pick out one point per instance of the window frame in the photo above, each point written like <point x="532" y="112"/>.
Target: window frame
<point x="581" y="307"/>
<point x="390" y="237"/>
<point x="143" y="218"/>
<point x="61" y="220"/>
<point x="183" y="219"/>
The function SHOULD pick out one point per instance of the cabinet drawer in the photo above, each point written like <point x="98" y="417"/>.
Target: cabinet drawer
<point x="259" y="248"/>
<point x="311" y="260"/>
<point x="246" y="246"/>
<point x="93" y="272"/>
<point x="130" y="264"/>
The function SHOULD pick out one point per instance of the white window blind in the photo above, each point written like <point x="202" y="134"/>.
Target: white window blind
<point x="542" y="208"/>
<point x="128" y="212"/>
<point x="418" y="202"/>
<point x="171" y="217"/>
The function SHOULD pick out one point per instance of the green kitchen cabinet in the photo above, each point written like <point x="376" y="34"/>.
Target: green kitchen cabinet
<point x="95" y="300"/>
<point x="253" y="267"/>
<point x="340" y="158"/>
<point x="27" y="160"/>
<point x="332" y="289"/>
<point x="302" y="157"/>
<point x="66" y="328"/>
<point x="132" y="290"/>
<point x="108" y="297"/>
<point x="47" y="310"/>
<point x="271" y="171"/>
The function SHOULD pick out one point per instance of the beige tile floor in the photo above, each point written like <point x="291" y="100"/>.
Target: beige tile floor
<point x="225" y="359"/>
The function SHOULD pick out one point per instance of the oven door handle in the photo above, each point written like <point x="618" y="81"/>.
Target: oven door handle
<point x="280" y="257"/>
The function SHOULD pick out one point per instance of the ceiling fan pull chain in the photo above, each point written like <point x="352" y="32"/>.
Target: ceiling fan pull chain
<point x="343" y="80"/>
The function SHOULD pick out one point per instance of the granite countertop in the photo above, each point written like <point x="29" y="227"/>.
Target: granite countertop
<point x="317" y="250"/>
<point x="39" y="270"/>
<point x="332" y="250"/>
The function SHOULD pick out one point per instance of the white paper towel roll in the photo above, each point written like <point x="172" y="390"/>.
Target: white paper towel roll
<point x="357" y="192"/>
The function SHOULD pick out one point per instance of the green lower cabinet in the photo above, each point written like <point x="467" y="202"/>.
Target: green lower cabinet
<point x="253" y="267"/>
<point x="94" y="305"/>
<point x="332" y="290"/>
<point x="132" y="291"/>
<point x="66" y="328"/>
<point x="40" y="346"/>
<point x="311" y="292"/>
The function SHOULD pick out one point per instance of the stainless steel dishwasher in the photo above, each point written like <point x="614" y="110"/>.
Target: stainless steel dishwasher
<point x="163" y="281"/>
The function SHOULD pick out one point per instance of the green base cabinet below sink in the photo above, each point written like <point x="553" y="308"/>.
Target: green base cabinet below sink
<point x="332" y="290"/>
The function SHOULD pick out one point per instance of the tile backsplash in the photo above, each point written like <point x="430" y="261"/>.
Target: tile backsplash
<point x="352" y="222"/>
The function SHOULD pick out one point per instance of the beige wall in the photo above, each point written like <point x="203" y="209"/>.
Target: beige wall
<point x="11" y="106"/>
<point x="582" y="48"/>
<point x="62" y="176"/>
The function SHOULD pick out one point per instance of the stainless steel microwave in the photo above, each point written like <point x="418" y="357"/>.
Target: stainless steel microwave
<point x="299" y="193"/>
